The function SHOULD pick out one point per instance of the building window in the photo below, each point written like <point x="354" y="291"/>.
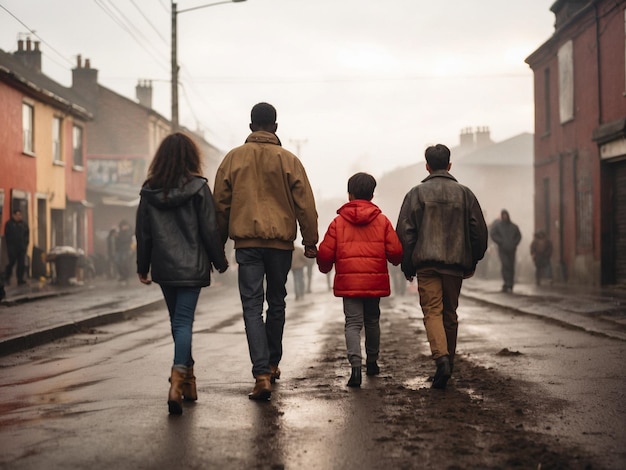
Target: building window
<point x="546" y="100"/>
<point x="566" y="82"/>
<point x="28" y="135"/>
<point x="77" y="137"/>
<point x="57" y="126"/>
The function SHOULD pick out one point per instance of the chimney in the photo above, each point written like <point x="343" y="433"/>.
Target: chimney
<point x="466" y="140"/>
<point x="29" y="57"/>
<point x="85" y="79"/>
<point x="143" y="91"/>
<point x="483" y="137"/>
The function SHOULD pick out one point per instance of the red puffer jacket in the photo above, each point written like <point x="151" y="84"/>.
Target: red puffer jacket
<point x="360" y="241"/>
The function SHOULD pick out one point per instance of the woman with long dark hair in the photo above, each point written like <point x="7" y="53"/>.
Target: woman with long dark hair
<point x="177" y="242"/>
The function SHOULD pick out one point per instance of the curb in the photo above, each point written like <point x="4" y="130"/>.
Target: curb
<point x="37" y="338"/>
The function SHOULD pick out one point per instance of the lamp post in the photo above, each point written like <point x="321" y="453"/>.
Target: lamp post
<point x="174" y="65"/>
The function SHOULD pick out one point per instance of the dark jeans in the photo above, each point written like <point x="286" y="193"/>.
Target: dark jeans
<point x="15" y="257"/>
<point x="181" y="304"/>
<point x="507" y="258"/>
<point x="256" y="267"/>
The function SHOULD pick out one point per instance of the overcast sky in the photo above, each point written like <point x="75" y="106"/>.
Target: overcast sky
<point x="359" y="85"/>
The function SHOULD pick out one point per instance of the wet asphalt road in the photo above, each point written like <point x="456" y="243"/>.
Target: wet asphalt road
<point x="98" y="400"/>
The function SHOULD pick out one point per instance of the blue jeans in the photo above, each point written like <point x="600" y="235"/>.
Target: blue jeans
<point x="265" y="339"/>
<point x="181" y="304"/>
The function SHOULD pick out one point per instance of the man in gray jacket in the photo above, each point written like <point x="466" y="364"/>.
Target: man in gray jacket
<point x="444" y="235"/>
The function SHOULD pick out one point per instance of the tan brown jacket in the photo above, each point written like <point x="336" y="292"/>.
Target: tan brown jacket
<point x="260" y="191"/>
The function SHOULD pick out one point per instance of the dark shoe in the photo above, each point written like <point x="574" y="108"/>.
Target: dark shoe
<point x="274" y="373"/>
<point x="443" y="372"/>
<point x="355" y="377"/>
<point x="371" y="368"/>
<point x="262" y="388"/>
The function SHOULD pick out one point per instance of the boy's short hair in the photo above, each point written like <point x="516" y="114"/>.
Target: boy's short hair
<point x="361" y="186"/>
<point x="437" y="157"/>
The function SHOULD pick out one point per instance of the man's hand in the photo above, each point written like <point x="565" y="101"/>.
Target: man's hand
<point x="310" y="251"/>
<point x="143" y="278"/>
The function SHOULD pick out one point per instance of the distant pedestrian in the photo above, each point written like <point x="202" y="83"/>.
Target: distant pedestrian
<point x="507" y="236"/>
<point x="359" y="242"/>
<point x="444" y="235"/>
<point x="177" y="242"/>
<point x="111" y="266"/>
<point x="123" y="250"/>
<point x="17" y="237"/>
<point x="298" y="263"/>
<point x="262" y="193"/>
<point x="541" y="252"/>
<point x="309" y="263"/>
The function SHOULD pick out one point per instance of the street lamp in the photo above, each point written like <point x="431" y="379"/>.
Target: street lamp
<point x="175" y="13"/>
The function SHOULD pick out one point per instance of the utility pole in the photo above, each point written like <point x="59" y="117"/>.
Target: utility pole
<point x="298" y="143"/>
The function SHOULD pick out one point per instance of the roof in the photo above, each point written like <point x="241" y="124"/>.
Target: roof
<point x="516" y="151"/>
<point x="16" y="74"/>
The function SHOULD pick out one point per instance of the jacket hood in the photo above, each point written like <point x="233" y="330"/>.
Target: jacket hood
<point x="176" y="196"/>
<point x="359" y="211"/>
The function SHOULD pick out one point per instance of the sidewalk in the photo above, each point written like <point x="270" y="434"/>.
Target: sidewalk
<point x="38" y="313"/>
<point x="599" y="311"/>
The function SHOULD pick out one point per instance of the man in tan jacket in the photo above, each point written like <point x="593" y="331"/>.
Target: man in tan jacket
<point x="261" y="193"/>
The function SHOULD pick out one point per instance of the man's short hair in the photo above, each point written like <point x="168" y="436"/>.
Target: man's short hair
<point x="438" y="157"/>
<point x="263" y="115"/>
<point x="361" y="186"/>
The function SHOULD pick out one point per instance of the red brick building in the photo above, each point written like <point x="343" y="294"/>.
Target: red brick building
<point x="580" y="144"/>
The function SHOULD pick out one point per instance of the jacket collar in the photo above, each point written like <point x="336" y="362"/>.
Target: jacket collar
<point x="263" y="137"/>
<point x="439" y="174"/>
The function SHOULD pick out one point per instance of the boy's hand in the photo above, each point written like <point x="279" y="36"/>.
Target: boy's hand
<point x="310" y="251"/>
<point x="143" y="278"/>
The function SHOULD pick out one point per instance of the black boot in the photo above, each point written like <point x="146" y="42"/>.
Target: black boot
<point x="371" y="368"/>
<point x="443" y="372"/>
<point x="355" y="377"/>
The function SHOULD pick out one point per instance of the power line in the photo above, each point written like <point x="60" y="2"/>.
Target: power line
<point x="156" y="30"/>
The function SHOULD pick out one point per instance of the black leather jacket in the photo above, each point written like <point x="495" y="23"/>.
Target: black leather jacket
<point x="177" y="235"/>
<point x="441" y="225"/>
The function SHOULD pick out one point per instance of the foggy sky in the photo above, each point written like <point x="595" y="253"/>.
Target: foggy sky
<point x="359" y="85"/>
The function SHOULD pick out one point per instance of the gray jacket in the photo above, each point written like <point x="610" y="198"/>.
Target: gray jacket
<point x="441" y="225"/>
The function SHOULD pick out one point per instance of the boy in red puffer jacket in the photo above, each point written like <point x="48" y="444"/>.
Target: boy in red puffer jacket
<point x="359" y="242"/>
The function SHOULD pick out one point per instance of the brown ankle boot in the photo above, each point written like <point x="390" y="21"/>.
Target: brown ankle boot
<point x="262" y="388"/>
<point x="190" y="393"/>
<point x="274" y="373"/>
<point x="175" y="396"/>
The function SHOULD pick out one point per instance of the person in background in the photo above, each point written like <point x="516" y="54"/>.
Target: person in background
<point x="444" y="235"/>
<point x="298" y="264"/>
<point x="507" y="236"/>
<point x="177" y="242"/>
<point x="111" y="265"/>
<point x="262" y="193"/>
<point x="359" y="242"/>
<point x="309" y="263"/>
<point x="123" y="249"/>
<point x="541" y="252"/>
<point x="17" y="237"/>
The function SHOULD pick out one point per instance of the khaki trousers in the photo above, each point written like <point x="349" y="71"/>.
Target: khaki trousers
<point x="439" y="298"/>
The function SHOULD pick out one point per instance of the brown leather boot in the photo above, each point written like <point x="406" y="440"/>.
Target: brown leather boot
<point x="175" y="397"/>
<point x="274" y="373"/>
<point x="190" y="393"/>
<point x="262" y="388"/>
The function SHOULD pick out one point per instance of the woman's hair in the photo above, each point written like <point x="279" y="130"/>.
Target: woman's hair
<point x="176" y="158"/>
